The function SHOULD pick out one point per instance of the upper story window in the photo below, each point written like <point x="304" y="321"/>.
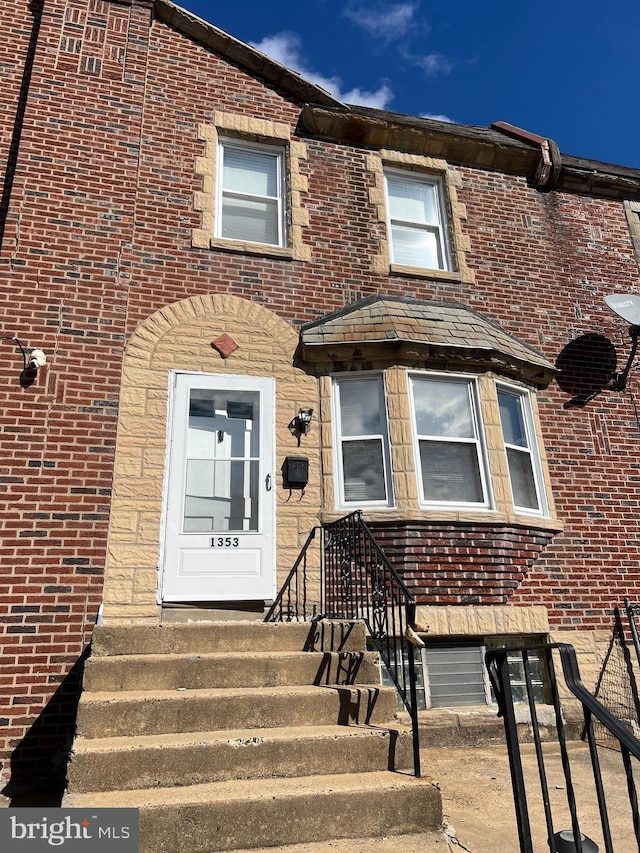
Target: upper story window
<point x="362" y="441"/>
<point x="417" y="223"/>
<point x="251" y="196"/>
<point x="450" y="456"/>
<point x="523" y="461"/>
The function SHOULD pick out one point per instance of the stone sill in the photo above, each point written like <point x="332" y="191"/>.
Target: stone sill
<point x="238" y="247"/>
<point x="423" y="272"/>
<point x="487" y="517"/>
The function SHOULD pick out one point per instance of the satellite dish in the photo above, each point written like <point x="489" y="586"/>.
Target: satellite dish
<point x="626" y="306"/>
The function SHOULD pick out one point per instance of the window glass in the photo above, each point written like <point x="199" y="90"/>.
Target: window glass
<point x="536" y="663"/>
<point x="253" y="221"/>
<point x="450" y="453"/>
<point x="456" y="675"/>
<point x="250" y="206"/>
<point x="250" y="172"/>
<point x="360" y="407"/>
<point x="450" y="472"/>
<point x="412" y="201"/>
<point x="515" y="416"/>
<point x="417" y="231"/>
<point x="363" y="441"/>
<point x="363" y="471"/>
<point x="443" y="408"/>
<point x="414" y="248"/>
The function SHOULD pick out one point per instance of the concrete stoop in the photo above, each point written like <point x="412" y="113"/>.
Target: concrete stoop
<point x="236" y="736"/>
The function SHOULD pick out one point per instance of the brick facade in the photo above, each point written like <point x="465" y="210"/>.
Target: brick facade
<point x="104" y="110"/>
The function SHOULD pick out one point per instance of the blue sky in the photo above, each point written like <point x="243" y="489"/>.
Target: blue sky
<point x="568" y="69"/>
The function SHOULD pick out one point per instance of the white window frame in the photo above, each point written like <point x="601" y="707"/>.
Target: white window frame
<point x="440" y="229"/>
<point x="383" y="437"/>
<point x="532" y="449"/>
<point x="479" y="441"/>
<point x="280" y="155"/>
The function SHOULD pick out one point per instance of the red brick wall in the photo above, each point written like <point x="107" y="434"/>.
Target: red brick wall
<point x="98" y="237"/>
<point x="461" y="563"/>
<point x="65" y="265"/>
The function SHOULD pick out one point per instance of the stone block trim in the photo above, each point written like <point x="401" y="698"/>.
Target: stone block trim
<point x="204" y="201"/>
<point x="490" y="620"/>
<point x="460" y="245"/>
<point x="632" y="210"/>
<point x="178" y="337"/>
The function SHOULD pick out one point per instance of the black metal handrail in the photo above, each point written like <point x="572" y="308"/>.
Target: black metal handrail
<point x="291" y="604"/>
<point x="358" y="582"/>
<point x="631" y="610"/>
<point x="501" y="678"/>
<point x="361" y="583"/>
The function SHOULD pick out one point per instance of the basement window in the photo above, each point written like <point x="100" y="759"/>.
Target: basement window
<point x="453" y="674"/>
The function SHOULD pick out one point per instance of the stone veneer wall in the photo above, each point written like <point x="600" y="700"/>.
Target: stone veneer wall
<point x="179" y="338"/>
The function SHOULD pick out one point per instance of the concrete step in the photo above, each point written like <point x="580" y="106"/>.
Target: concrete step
<point x="166" y="711"/>
<point x="229" y="669"/>
<point x="209" y="637"/>
<point x="151" y="761"/>
<point x="239" y="814"/>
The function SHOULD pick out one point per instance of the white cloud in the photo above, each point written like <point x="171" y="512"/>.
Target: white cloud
<point x="433" y="63"/>
<point x="437" y="117"/>
<point x="387" y="21"/>
<point x="286" y="48"/>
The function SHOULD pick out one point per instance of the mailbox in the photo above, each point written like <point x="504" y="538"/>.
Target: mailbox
<point x="295" y="472"/>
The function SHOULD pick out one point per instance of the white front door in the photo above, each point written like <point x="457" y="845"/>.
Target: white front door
<point x="219" y="532"/>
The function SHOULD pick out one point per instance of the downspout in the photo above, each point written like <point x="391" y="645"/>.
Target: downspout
<point x="36" y="7"/>
<point x="550" y="163"/>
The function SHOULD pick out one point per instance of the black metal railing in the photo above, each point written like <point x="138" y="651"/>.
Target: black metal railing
<point x="356" y="581"/>
<point x="501" y="671"/>
<point x="361" y="583"/>
<point x="292" y="603"/>
<point x="631" y="611"/>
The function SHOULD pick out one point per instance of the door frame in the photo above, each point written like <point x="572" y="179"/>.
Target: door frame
<point x="268" y="508"/>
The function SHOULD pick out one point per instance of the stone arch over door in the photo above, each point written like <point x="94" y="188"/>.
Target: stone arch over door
<point x="179" y="337"/>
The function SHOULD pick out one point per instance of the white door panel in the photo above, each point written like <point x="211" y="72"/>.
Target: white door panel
<point x="219" y="543"/>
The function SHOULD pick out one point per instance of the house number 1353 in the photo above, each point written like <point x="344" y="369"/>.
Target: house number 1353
<point x="224" y="541"/>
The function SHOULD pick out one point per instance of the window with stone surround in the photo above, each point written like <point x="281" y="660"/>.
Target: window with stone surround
<point x="252" y="196"/>
<point x="417" y="223"/>
<point x="251" y="200"/>
<point x="416" y="199"/>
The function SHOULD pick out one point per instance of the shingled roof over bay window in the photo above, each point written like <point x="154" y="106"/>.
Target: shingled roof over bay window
<point x="441" y="335"/>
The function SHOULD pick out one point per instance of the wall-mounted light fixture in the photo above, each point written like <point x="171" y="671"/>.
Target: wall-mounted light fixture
<point x="32" y="361"/>
<point x="301" y="424"/>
